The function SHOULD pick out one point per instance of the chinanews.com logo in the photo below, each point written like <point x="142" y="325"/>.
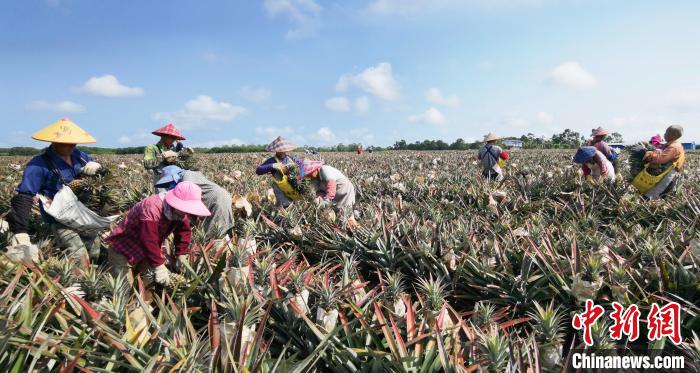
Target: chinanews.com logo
<point x="662" y="322"/>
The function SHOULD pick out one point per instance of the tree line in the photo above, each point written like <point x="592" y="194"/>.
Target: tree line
<point x="564" y="140"/>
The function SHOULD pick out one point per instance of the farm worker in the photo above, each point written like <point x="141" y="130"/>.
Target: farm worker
<point x="491" y="157"/>
<point x="594" y="164"/>
<point x="166" y="151"/>
<point x="332" y="187"/>
<point x="275" y="167"/>
<point x="597" y="141"/>
<point x="671" y="154"/>
<point x="359" y="149"/>
<point x="656" y="141"/>
<point x="45" y="174"/>
<point x="216" y="198"/>
<point x="136" y="242"/>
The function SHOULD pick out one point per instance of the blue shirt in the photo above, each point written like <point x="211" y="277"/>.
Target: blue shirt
<point x="38" y="177"/>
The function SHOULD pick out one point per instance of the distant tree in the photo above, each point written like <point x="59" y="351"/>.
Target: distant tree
<point x="459" y="144"/>
<point x="615" y="137"/>
<point x="567" y="139"/>
<point x="400" y="145"/>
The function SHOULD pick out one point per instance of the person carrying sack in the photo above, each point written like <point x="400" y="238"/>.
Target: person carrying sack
<point x="492" y="158"/>
<point x="136" y="242"/>
<point x="284" y="192"/>
<point x="663" y="167"/>
<point x="168" y="151"/>
<point x="46" y="174"/>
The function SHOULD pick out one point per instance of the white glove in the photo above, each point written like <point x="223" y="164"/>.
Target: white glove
<point x="169" y="155"/>
<point x="182" y="260"/>
<point x="91" y="168"/>
<point x="162" y="275"/>
<point x="20" y="239"/>
<point x="278" y="166"/>
<point x="22" y="250"/>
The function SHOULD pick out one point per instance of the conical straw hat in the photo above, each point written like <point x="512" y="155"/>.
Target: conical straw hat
<point x="169" y="130"/>
<point x="64" y="132"/>
<point x="491" y="137"/>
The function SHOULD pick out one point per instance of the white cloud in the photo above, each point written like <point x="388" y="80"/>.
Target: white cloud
<point x="198" y="112"/>
<point x="544" y="117"/>
<point x="362" y="104"/>
<point x="258" y="94"/>
<point x="339" y="104"/>
<point x="431" y="116"/>
<point x="61" y="106"/>
<point x="325" y="135"/>
<point x="274" y="131"/>
<point x="304" y="14"/>
<point x="571" y="74"/>
<point x="515" y="121"/>
<point x="421" y="7"/>
<point x="108" y="86"/>
<point x="686" y="100"/>
<point x="434" y="96"/>
<point x="215" y="143"/>
<point x="140" y="136"/>
<point x="376" y="80"/>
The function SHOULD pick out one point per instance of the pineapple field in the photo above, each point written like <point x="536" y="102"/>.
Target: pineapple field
<point x="445" y="273"/>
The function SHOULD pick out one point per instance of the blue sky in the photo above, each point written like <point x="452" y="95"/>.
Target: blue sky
<point x="370" y="71"/>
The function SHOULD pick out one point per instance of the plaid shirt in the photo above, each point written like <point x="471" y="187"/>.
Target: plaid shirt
<point x="142" y="232"/>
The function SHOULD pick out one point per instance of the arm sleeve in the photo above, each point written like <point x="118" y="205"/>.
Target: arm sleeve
<point x="151" y="157"/>
<point x="586" y="170"/>
<point x="20" y="212"/>
<point x="266" y="167"/>
<point x="505" y="155"/>
<point x="331" y="187"/>
<point x="183" y="237"/>
<point x="605" y="149"/>
<point x="151" y="242"/>
<point x="669" y="154"/>
<point x="32" y="180"/>
<point x="85" y="156"/>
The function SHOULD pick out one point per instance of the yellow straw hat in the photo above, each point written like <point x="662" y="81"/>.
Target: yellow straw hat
<point x="64" y="132"/>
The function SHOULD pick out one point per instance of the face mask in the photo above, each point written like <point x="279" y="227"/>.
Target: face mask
<point x="172" y="214"/>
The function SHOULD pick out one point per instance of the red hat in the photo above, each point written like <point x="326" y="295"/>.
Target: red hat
<point x="169" y="130"/>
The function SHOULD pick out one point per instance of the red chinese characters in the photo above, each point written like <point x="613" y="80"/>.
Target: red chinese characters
<point x="625" y="322"/>
<point x="665" y="322"/>
<point x="586" y="320"/>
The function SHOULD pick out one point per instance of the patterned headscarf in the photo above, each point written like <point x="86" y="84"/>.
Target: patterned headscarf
<point x="307" y="166"/>
<point x="280" y="144"/>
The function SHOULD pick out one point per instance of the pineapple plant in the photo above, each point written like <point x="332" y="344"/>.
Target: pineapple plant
<point x="585" y="285"/>
<point x="328" y="298"/>
<point x="548" y="327"/>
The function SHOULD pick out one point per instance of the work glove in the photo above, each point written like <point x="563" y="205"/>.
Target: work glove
<point x="91" y="168"/>
<point x="182" y="260"/>
<point x="589" y="178"/>
<point x="20" y="239"/>
<point x="169" y="156"/>
<point x="21" y="250"/>
<point x="187" y="152"/>
<point x="278" y="166"/>
<point x="323" y="203"/>
<point x="162" y="275"/>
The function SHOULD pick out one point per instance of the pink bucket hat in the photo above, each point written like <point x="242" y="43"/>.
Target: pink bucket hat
<point x="187" y="197"/>
<point x="656" y="140"/>
<point x="307" y="166"/>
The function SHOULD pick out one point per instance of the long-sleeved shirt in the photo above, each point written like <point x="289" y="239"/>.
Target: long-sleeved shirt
<point x="39" y="176"/>
<point x="489" y="156"/>
<point x="142" y="232"/>
<point x="671" y="152"/>
<point x="599" y="167"/>
<point x="601" y="146"/>
<point x="266" y="167"/>
<point x="45" y="174"/>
